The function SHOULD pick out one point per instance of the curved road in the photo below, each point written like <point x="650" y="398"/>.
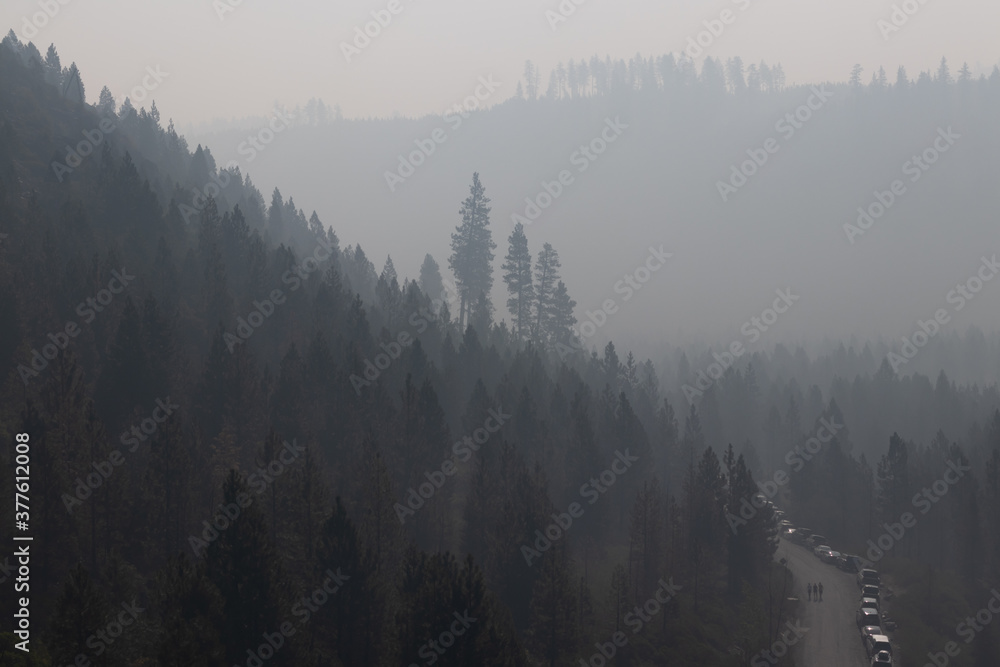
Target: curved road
<point x="833" y="639"/>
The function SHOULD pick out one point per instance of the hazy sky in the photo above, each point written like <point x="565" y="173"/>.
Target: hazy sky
<point x="433" y="51"/>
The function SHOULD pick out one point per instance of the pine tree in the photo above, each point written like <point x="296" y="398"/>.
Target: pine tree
<point x="944" y="73"/>
<point x="562" y="319"/>
<point x="191" y="620"/>
<point x="667" y="447"/>
<point x="517" y="276"/>
<point x="472" y="248"/>
<point x="531" y="77"/>
<point x="893" y="478"/>
<point x="750" y="542"/>
<point x="481" y="316"/>
<point x="243" y="566"/>
<point x="553" y="631"/>
<point x="167" y="488"/>
<point x="389" y="270"/>
<point x="618" y="596"/>
<point x="612" y="367"/>
<point x="72" y="87"/>
<point x="80" y="610"/>
<point x="430" y="279"/>
<point x="389" y="295"/>
<point x="964" y="74"/>
<point x="778" y="74"/>
<point x="346" y="624"/>
<point x="53" y="67"/>
<point x="855" y="81"/>
<point x="124" y="380"/>
<point x="646" y="540"/>
<point x="734" y="72"/>
<point x="275" y="218"/>
<point x="704" y="497"/>
<point x="546" y="279"/>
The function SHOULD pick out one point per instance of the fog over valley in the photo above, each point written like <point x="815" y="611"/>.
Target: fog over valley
<point x="526" y="334"/>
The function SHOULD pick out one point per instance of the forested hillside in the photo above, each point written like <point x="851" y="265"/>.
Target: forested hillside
<point x="256" y="447"/>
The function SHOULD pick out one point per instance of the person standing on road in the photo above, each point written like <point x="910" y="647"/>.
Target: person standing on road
<point x="809" y="588"/>
<point x="821" y="591"/>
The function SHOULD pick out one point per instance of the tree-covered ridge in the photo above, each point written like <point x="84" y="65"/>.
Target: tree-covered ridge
<point x="481" y="481"/>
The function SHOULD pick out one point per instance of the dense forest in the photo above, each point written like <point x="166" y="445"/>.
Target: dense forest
<point x="794" y="223"/>
<point x="251" y="446"/>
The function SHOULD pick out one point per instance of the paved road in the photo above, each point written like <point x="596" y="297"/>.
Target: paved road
<point x="833" y="639"/>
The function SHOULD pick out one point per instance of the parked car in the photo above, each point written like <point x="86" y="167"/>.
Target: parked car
<point x="871" y="603"/>
<point x="867" y="631"/>
<point x="868" y="577"/>
<point x="882" y="659"/>
<point x="845" y="563"/>
<point x="854" y="563"/>
<point x="870" y="592"/>
<point x="815" y="540"/>
<point x="797" y="536"/>
<point x="867" y="616"/>
<point x="819" y="550"/>
<point x="830" y="557"/>
<point x="878" y="644"/>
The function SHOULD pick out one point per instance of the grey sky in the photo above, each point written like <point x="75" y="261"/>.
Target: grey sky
<point x="433" y="50"/>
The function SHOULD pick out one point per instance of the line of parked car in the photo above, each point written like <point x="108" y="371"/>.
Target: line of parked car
<point x="870" y="617"/>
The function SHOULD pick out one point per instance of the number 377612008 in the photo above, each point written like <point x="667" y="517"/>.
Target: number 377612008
<point x="21" y="481"/>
